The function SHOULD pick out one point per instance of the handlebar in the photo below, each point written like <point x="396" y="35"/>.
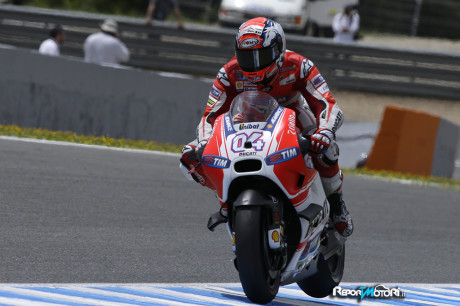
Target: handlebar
<point x="304" y="144"/>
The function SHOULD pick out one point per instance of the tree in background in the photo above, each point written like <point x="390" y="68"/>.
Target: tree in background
<point x="198" y="10"/>
<point x="440" y="18"/>
<point x="119" y="7"/>
<point x="437" y="18"/>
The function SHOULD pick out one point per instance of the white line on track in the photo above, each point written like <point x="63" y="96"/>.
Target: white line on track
<point x="100" y="147"/>
<point x="179" y="294"/>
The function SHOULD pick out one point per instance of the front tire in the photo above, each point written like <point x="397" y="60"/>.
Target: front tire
<point x="329" y="275"/>
<point x="257" y="267"/>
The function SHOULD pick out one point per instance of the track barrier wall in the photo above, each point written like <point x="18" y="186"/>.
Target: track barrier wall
<point x="202" y="50"/>
<point x="414" y="142"/>
<point x="66" y="94"/>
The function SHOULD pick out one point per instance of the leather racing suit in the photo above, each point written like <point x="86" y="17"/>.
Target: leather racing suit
<point x="298" y="86"/>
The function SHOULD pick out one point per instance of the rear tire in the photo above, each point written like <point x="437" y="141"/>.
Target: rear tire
<point x="256" y="266"/>
<point x="329" y="275"/>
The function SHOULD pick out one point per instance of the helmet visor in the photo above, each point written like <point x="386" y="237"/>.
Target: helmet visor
<point x="253" y="60"/>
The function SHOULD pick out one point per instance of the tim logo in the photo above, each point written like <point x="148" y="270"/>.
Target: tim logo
<point x="215" y="161"/>
<point x="282" y="156"/>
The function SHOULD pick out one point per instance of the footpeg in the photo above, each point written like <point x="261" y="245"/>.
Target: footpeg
<point x="215" y="220"/>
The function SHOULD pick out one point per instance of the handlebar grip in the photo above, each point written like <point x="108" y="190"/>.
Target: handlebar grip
<point x="304" y="144"/>
<point x="199" y="153"/>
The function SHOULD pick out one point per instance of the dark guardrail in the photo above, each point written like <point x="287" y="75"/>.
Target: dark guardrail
<point x="201" y="50"/>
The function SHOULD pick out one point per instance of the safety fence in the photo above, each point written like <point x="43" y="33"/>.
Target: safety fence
<point x="200" y="50"/>
<point x="428" y="18"/>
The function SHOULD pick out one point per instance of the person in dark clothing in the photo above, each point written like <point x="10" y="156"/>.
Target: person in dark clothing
<point x="159" y="10"/>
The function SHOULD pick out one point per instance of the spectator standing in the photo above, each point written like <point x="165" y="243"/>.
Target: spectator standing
<point x="51" y="46"/>
<point x="346" y="24"/>
<point x="105" y="46"/>
<point x="159" y="10"/>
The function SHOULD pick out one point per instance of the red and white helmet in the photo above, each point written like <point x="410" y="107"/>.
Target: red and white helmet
<point x="260" y="47"/>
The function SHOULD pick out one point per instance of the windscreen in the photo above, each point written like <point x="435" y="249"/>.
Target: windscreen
<point x="252" y="106"/>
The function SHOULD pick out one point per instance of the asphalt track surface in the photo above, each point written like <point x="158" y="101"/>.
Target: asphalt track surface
<point x="81" y="214"/>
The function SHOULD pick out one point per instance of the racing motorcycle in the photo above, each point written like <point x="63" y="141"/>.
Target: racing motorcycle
<point x="272" y="200"/>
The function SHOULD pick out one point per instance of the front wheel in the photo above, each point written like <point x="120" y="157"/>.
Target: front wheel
<point x="258" y="267"/>
<point x="329" y="275"/>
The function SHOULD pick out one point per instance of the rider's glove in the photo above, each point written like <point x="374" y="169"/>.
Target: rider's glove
<point x="321" y="140"/>
<point x="190" y="162"/>
<point x="187" y="149"/>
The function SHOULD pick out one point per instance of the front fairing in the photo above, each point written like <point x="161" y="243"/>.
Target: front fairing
<point x="266" y="148"/>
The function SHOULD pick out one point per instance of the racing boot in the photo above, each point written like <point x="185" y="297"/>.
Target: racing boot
<point x="340" y="215"/>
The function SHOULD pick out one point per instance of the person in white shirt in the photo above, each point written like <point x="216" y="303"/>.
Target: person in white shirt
<point x="346" y="24"/>
<point x="51" y="46"/>
<point x="105" y="47"/>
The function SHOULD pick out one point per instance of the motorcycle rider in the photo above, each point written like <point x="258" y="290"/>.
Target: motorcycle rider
<point x="262" y="63"/>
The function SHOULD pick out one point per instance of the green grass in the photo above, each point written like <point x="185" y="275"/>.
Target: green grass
<point x="412" y="178"/>
<point x="12" y="130"/>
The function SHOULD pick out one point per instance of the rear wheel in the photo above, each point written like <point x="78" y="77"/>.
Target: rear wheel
<point x="329" y="275"/>
<point x="258" y="266"/>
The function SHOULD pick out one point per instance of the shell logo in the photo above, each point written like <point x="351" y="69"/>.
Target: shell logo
<point x="276" y="236"/>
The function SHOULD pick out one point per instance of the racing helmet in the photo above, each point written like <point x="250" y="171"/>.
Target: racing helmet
<point x="260" y="46"/>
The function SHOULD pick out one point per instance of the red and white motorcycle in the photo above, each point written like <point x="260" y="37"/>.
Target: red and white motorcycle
<point x="272" y="200"/>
